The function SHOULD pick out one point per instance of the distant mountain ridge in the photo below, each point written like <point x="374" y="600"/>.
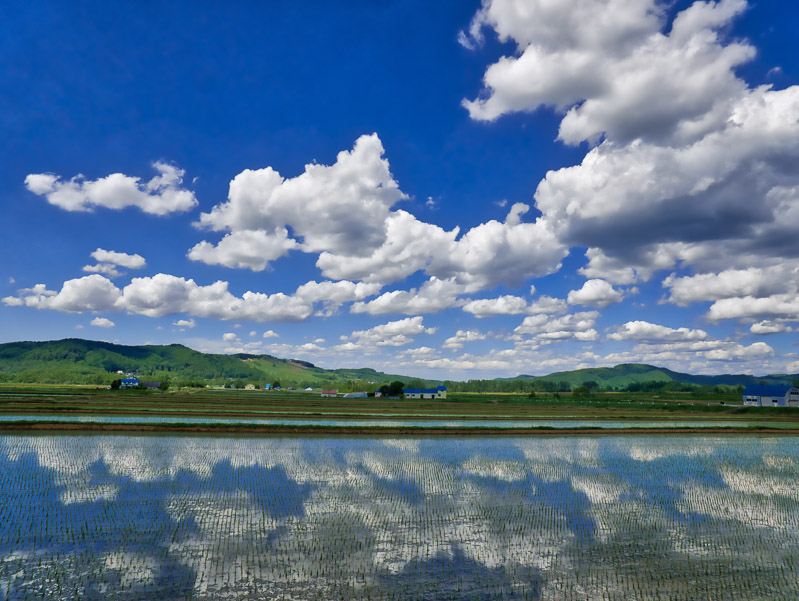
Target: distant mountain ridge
<point x="78" y="361"/>
<point x="74" y="360"/>
<point x="627" y="373"/>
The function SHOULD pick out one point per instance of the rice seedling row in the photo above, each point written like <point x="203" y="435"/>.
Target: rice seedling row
<point x="613" y="518"/>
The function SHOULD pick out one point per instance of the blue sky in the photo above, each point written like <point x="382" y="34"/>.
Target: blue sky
<point x="448" y="189"/>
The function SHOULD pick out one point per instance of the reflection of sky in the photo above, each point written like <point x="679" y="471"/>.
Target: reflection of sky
<point x="398" y="423"/>
<point x="137" y="517"/>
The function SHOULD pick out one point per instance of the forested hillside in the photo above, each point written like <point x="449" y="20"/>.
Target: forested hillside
<point x="76" y="361"/>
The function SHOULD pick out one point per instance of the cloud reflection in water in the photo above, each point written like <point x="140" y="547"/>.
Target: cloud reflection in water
<point x="135" y="517"/>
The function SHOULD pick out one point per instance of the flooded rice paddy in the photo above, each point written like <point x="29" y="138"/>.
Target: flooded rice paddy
<point x="401" y="423"/>
<point x="201" y="517"/>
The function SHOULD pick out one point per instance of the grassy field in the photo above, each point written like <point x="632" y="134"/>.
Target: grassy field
<point x="45" y="400"/>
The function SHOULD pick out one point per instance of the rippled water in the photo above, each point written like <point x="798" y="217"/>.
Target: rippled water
<point x="399" y="423"/>
<point x="195" y="517"/>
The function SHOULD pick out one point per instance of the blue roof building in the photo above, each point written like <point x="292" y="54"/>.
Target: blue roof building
<point x="439" y="392"/>
<point x="129" y="382"/>
<point x="771" y="396"/>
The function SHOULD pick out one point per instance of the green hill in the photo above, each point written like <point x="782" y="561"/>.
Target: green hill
<point x="626" y="374"/>
<point x="76" y="361"/>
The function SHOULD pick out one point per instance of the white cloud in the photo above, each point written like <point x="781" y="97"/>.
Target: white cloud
<point x="409" y="246"/>
<point x="651" y="333"/>
<point x="461" y="337"/>
<point x="112" y="257"/>
<point x="737" y="351"/>
<point x="614" y="269"/>
<point x="159" y="196"/>
<point x="243" y="347"/>
<point x="343" y="212"/>
<point x="339" y="208"/>
<point x="333" y="294"/>
<point x="108" y="260"/>
<point x="493" y="252"/>
<point x="503" y="305"/>
<point x="770" y="327"/>
<point x="433" y="296"/>
<point x="778" y="305"/>
<point x="514" y="305"/>
<point x="486" y="255"/>
<point x="229" y="336"/>
<point x="271" y="334"/>
<point x="393" y="333"/>
<point x="104" y="268"/>
<point x="545" y="328"/>
<point x="161" y="295"/>
<point x="250" y="249"/>
<point x="184" y="323"/>
<point x="731" y="283"/>
<point x="309" y="346"/>
<point x="692" y="166"/>
<point x="421" y="351"/>
<point x="102" y="322"/>
<point x="165" y="294"/>
<point x="89" y="293"/>
<point x="607" y="64"/>
<point x="548" y="304"/>
<point x="596" y="293"/>
<point x="705" y="357"/>
<point x="726" y="197"/>
<point x="464" y="362"/>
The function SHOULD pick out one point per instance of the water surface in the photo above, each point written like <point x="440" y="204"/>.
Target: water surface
<point x="203" y="517"/>
<point x="402" y="423"/>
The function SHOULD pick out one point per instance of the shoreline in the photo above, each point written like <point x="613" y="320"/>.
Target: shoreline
<point x="378" y="430"/>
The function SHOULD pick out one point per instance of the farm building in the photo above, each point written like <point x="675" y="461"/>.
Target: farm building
<point x="771" y="396"/>
<point x="356" y="395"/>
<point x="152" y="385"/>
<point x="329" y="393"/>
<point x="129" y="382"/>
<point x="439" y="392"/>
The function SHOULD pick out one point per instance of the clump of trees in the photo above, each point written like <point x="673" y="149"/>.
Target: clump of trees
<point x="393" y="389"/>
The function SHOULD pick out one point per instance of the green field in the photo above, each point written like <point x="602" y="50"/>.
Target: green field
<point x="83" y="400"/>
